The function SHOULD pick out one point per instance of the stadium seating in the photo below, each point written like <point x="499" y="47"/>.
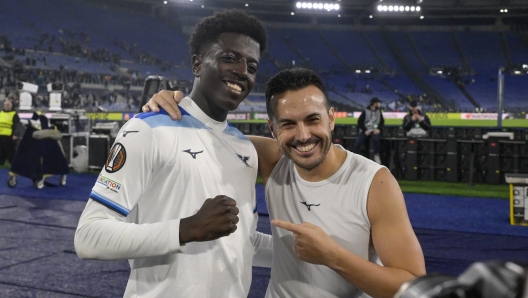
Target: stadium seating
<point x="145" y="45"/>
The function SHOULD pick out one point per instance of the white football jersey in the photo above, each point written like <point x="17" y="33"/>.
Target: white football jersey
<point x="158" y="172"/>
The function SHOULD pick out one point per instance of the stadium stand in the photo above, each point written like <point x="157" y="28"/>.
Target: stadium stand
<point x="107" y="48"/>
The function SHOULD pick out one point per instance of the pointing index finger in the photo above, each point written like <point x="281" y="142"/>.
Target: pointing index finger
<point x="287" y="225"/>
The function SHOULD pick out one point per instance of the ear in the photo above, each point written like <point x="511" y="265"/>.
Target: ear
<point x="196" y="65"/>
<point x="270" y="125"/>
<point x="331" y="118"/>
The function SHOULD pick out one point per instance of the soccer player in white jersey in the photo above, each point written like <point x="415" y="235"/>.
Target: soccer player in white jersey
<point x="177" y="198"/>
<point x="340" y="225"/>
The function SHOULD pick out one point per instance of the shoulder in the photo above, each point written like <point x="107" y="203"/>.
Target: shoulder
<point x="162" y="119"/>
<point x="384" y="191"/>
<point x="360" y="169"/>
<point x="234" y="132"/>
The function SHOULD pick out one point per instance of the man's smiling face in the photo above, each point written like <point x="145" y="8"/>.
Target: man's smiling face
<point x="303" y="126"/>
<point x="226" y="71"/>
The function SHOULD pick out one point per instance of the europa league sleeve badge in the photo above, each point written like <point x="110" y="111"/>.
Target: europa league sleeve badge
<point x="116" y="158"/>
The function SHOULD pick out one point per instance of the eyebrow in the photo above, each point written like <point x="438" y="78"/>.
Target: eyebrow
<point x="249" y="58"/>
<point x="281" y="120"/>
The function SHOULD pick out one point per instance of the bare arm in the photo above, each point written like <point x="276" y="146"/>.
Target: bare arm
<point x="394" y="241"/>
<point x="268" y="155"/>
<point x="392" y="235"/>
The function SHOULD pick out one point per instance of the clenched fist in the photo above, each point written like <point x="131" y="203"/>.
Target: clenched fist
<point x="216" y="218"/>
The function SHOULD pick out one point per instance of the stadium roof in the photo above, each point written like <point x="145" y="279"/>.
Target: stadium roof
<point x="451" y="12"/>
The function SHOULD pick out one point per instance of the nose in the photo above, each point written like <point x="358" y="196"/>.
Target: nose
<point x="241" y="69"/>
<point x="303" y="133"/>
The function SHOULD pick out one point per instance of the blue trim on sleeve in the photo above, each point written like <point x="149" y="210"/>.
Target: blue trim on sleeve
<point x="255" y="209"/>
<point x="108" y="203"/>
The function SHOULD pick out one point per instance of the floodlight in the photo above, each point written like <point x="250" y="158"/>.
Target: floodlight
<point x="319" y="6"/>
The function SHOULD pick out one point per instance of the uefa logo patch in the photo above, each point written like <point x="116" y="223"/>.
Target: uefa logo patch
<point x="116" y="158"/>
<point x="109" y="184"/>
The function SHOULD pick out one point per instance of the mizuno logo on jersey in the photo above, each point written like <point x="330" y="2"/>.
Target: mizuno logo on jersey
<point x="309" y="205"/>
<point x="128" y="131"/>
<point x="244" y="159"/>
<point x="193" y="154"/>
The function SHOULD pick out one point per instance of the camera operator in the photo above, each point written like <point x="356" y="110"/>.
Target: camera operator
<point x="416" y="123"/>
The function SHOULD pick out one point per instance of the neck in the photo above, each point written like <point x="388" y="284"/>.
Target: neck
<point x="331" y="164"/>
<point x="207" y="106"/>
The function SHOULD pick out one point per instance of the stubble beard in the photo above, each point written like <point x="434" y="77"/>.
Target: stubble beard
<point x="287" y="150"/>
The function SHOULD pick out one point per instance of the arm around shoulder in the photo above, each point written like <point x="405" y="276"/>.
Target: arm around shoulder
<point x="268" y="154"/>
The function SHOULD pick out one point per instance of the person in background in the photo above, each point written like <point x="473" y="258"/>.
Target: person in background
<point x="370" y="124"/>
<point x="11" y="129"/>
<point x="416" y="123"/>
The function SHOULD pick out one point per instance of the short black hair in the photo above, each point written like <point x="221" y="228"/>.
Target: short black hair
<point x="374" y="100"/>
<point x="414" y="103"/>
<point x="228" y="21"/>
<point x="291" y="80"/>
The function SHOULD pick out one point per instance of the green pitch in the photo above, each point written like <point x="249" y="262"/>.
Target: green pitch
<point x="501" y="191"/>
<point x="513" y="123"/>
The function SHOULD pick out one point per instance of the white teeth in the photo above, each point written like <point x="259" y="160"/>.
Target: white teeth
<point x="306" y="148"/>
<point x="234" y="86"/>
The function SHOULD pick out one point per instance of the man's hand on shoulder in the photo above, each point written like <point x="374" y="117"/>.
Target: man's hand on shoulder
<point x="168" y="100"/>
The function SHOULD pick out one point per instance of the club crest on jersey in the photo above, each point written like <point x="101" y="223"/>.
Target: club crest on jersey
<point x="108" y="183"/>
<point x="116" y="158"/>
<point x="244" y="159"/>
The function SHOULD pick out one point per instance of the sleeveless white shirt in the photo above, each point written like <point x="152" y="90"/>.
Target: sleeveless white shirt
<point x="338" y="205"/>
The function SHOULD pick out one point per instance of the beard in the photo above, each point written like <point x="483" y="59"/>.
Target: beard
<point x="308" y="165"/>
